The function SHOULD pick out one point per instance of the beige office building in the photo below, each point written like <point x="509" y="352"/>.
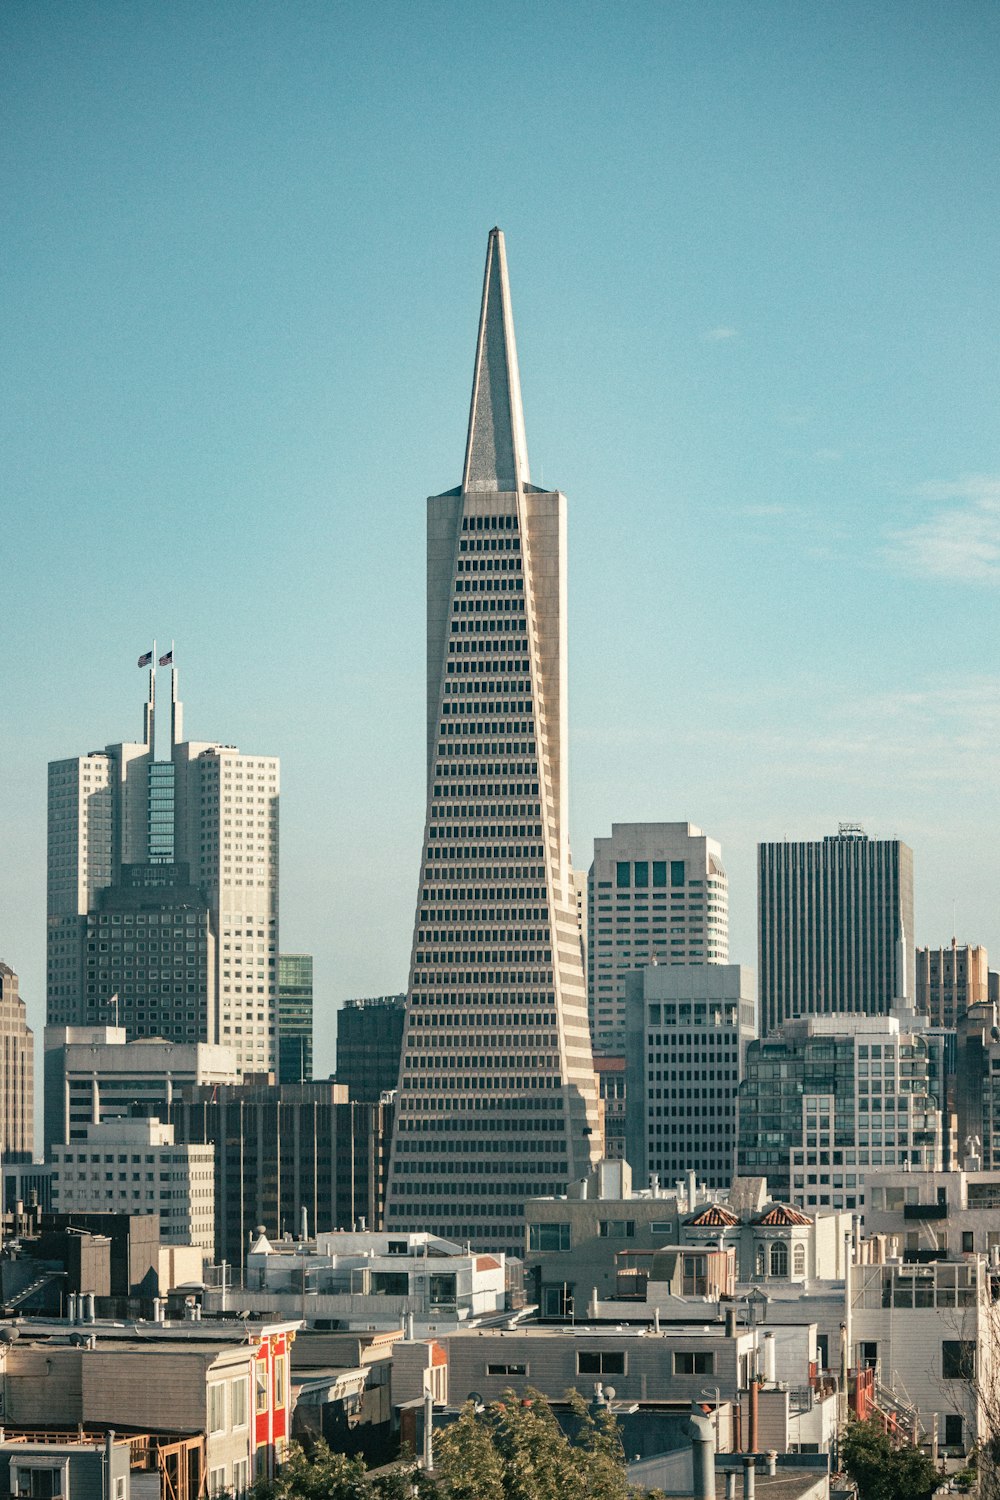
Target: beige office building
<point x="951" y="979"/>
<point x="657" y="892"/>
<point x="497" y="1097"/>
<point x="163" y="891"/>
<point x="17" y="1056"/>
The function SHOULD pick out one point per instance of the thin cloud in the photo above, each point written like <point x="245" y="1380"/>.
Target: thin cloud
<point x="716" y="335"/>
<point x="766" y="510"/>
<point x="959" y="540"/>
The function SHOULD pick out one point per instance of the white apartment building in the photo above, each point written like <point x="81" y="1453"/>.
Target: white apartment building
<point x="133" y="1166"/>
<point x="365" y="1279"/>
<point x="163" y="891"/>
<point x="656" y="892"/>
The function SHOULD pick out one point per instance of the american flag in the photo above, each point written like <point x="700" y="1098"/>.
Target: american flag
<point x="165" y="661"/>
<point x="145" y="658"/>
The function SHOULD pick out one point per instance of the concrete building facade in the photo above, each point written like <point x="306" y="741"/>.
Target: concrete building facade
<point x="93" y="1074"/>
<point x="951" y="979"/>
<point x="284" y="1153"/>
<point x="835" y="926"/>
<point x="687" y="1034"/>
<point x="497" y="1097"/>
<point x="17" y="1073"/>
<point x="163" y="891"/>
<point x="135" y="1167"/>
<point x="828" y="1097"/>
<point x="656" y="893"/>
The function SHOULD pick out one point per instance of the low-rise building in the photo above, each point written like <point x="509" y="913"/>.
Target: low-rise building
<point x="929" y="1333"/>
<point x="230" y="1384"/>
<point x="936" y="1215"/>
<point x="367" y="1280"/>
<point x="572" y="1244"/>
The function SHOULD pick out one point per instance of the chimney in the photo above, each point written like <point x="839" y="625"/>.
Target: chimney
<point x="702" y="1455"/>
<point x="772" y="1462"/>
<point x="770" y="1364"/>
<point x="730" y="1322"/>
<point x="749" y="1478"/>
<point x="730" y="1484"/>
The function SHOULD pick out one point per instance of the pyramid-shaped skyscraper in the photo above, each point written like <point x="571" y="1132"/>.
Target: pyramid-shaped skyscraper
<point x="497" y="1098"/>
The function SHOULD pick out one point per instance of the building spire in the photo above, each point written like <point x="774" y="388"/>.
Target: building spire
<point x="496" y="454"/>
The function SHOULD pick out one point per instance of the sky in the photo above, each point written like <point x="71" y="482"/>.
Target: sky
<point x="752" y="251"/>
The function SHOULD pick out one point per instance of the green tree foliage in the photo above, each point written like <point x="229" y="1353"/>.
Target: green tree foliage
<point x="516" y="1450"/>
<point x="324" y="1475"/>
<point x="881" y="1471"/>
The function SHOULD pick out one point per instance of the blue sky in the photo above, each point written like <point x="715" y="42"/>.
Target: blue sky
<point x="753" y="258"/>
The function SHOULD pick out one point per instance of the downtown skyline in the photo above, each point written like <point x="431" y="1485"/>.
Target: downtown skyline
<point x="771" y="404"/>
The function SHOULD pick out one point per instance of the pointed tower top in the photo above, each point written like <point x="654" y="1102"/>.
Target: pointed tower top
<point x="496" y="454"/>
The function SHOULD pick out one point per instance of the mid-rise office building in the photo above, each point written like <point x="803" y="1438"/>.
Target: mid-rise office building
<point x="688" y="1031"/>
<point x="295" y="1017"/>
<point x="369" y="1045"/>
<point x="835" y="926"/>
<point x="951" y="979"/>
<point x="134" y="1166"/>
<point x="163" y="891"/>
<point x="497" y="1096"/>
<point x="657" y="892"/>
<point x="829" y="1097"/>
<point x="17" y="1073"/>
<point x="93" y="1074"/>
<point x="293" y="1157"/>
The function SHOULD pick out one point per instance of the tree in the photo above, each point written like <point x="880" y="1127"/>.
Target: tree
<point x="514" y="1449"/>
<point x="881" y="1471"/>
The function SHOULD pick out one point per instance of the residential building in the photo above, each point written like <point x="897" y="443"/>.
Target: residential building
<point x="365" y="1280"/>
<point x="369" y="1045"/>
<point x="687" y="1033"/>
<point x="17" y="1074"/>
<point x="134" y="1166"/>
<point x="929" y="1333"/>
<point x="295" y="1017"/>
<point x="951" y="979"/>
<point x="163" y="891"/>
<point x="572" y="1243"/>
<point x="228" y="1383"/>
<point x="93" y="1073"/>
<point x="835" y="926"/>
<point x="284" y="1153"/>
<point x="829" y="1096"/>
<point x="977" y="1084"/>
<point x="497" y="1095"/>
<point x="90" y="1466"/>
<point x="936" y="1215"/>
<point x="657" y="893"/>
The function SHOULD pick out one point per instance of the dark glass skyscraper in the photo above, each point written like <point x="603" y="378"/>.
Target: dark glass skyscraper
<point x="295" y="1017"/>
<point x="835" y="926"/>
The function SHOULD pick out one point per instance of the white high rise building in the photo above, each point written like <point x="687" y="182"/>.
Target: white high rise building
<point x="163" y="891"/>
<point x="497" y="1097"/>
<point x="656" y="891"/>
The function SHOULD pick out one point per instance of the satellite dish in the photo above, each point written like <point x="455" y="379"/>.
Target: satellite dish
<point x="477" y="1400"/>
